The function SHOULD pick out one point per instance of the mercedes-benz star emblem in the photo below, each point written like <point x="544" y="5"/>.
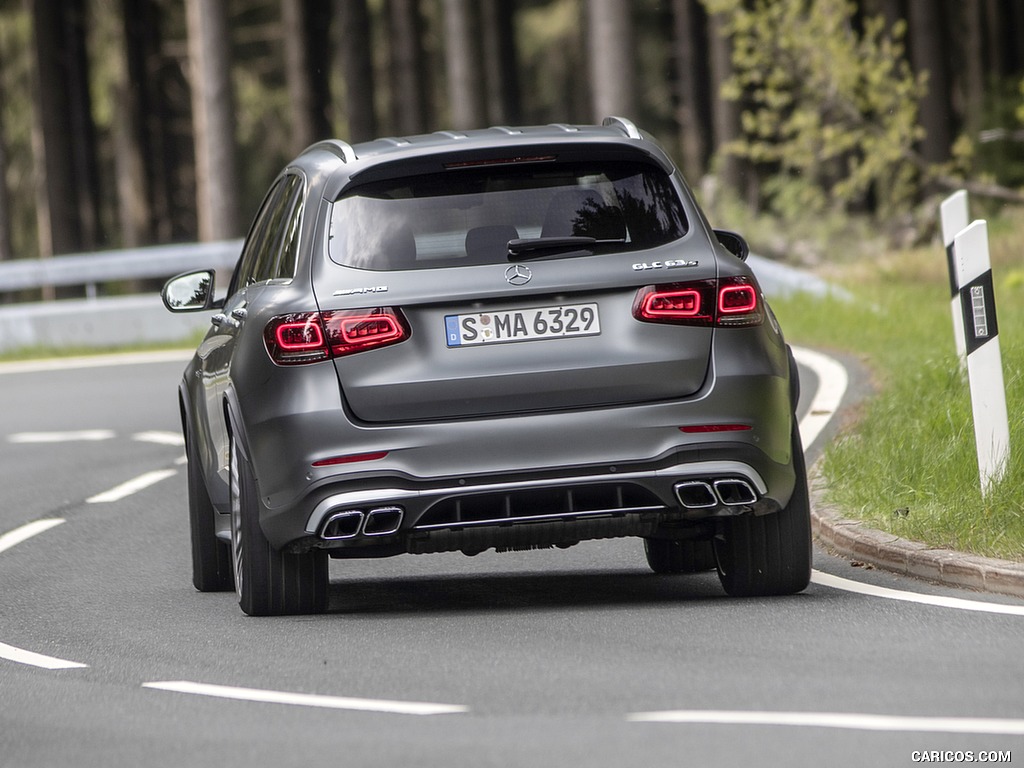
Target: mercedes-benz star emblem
<point x="518" y="274"/>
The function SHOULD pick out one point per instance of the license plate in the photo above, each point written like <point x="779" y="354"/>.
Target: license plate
<point x="522" y="325"/>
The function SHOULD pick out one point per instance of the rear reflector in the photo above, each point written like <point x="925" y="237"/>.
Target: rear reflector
<point x="724" y="302"/>
<point x="309" y="337"/>
<point x="353" y="458"/>
<point x="695" y="429"/>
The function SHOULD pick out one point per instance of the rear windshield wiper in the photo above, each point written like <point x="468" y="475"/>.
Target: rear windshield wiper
<point x="539" y="247"/>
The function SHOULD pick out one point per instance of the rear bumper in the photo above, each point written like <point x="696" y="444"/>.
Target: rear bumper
<point x="392" y="515"/>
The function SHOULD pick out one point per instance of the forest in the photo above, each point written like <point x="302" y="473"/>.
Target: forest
<point x="125" y="123"/>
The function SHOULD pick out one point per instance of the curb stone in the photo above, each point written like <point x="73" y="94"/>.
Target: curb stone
<point x="855" y="540"/>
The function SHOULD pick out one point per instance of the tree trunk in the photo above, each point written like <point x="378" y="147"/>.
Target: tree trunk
<point x="306" y="24"/>
<point x="610" y="49"/>
<point x="6" y="240"/>
<point x="690" y="71"/>
<point x="212" y="119"/>
<point x="928" y="55"/>
<point x="63" y="139"/>
<point x="357" y="69"/>
<point x="725" y="113"/>
<point x="408" y="88"/>
<point x="462" y="64"/>
<point x="501" y="62"/>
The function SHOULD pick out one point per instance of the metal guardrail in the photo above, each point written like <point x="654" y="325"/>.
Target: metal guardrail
<point x="93" y="269"/>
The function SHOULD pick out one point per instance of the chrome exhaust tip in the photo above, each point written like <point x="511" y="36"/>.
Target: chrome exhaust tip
<point x="383" y="521"/>
<point x="342" y="525"/>
<point x="735" y="492"/>
<point x="696" y="494"/>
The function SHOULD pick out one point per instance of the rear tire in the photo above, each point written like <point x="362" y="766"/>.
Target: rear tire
<point x="269" y="582"/>
<point x="679" y="556"/>
<point x="771" y="554"/>
<point x="211" y="558"/>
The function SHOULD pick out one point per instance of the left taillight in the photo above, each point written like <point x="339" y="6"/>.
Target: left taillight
<point x="727" y="302"/>
<point x="309" y="337"/>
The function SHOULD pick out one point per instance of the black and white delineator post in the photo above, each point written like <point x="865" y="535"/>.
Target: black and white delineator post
<point x="955" y="218"/>
<point x="984" y="361"/>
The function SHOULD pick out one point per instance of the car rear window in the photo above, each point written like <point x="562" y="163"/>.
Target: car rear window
<point x="467" y="215"/>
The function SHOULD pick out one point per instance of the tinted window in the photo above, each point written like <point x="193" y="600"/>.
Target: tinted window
<point x="271" y="247"/>
<point x="468" y="215"/>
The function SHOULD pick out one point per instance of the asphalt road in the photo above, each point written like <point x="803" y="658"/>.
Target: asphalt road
<point x="552" y="658"/>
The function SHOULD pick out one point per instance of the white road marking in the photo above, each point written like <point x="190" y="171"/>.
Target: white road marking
<point x="160" y="438"/>
<point x="84" y="435"/>
<point x="837" y="582"/>
<point x="27" y="531"/>
<point x="307" y="699"/>
<point x="832" y="383"/>
<point x="11" y="653"/>
<point x="851" y="721"/>
<point x="132" y="486"/>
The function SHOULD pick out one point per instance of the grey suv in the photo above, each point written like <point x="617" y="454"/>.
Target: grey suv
<point x="511" y="338"/>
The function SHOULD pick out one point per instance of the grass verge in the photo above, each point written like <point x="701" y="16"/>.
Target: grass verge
<point x="908" y="465"/>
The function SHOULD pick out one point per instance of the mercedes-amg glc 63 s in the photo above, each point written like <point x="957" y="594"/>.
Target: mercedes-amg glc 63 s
<point x="511" y="338"/>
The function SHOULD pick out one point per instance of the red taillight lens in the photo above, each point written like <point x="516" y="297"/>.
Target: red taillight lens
<point x="309" y="337"/>
<point x="726" y="302"/>
<point x="296" y="339"/>
<point x="351" y="331"/>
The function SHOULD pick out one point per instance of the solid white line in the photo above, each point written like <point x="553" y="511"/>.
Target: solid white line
<point x="837" y="582"/>
<point x="852" y="721"/>
<point x="132" y="486"/>
<point x="160" y="438"/>
<point x="87" y="435"/>
<point x="832" y="383"/>
<point x="20" y="656"/>
<point x="306" y="699"/>
<point x="27" y="531"/>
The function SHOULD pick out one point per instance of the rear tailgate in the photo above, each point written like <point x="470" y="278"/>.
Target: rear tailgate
<point x="482" y="347"/>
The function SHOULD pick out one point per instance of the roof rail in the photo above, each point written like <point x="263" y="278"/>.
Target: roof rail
<point x="624" y="124"/>
<point x="337" y="147"/>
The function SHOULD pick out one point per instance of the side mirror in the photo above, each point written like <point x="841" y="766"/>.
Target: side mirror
<point x="734" y="243"/>
<point x="191" y="292"/>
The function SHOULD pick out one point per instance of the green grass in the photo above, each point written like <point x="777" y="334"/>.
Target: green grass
<point x="907" y="463"/>
<point x="45" y="353"/>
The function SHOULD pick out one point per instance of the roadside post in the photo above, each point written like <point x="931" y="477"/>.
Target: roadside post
<point x="984" y="361"/>
<point x="953" y="213"/>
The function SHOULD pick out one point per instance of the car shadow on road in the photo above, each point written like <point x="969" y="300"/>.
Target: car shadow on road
<point x="505" y="592"/>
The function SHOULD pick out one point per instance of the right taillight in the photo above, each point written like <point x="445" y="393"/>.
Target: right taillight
<point x="726" y="302"/>
<point x="310" y="337"/>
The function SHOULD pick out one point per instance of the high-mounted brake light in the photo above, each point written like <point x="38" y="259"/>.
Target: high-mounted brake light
<point x="727" y="302"/>
<point x="309" y="337"/>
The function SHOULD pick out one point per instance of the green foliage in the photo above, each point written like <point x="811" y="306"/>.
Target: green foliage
<point x="830" y="111"/>
<point x="912" y="447"/>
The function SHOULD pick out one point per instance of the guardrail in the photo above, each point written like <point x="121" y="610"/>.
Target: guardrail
<point x="93" y="269"/>
<point x="113" y="321"/>
<point x="99" y="322"/>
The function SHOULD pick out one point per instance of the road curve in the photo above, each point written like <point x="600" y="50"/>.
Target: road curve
<point x="109" y="657"/>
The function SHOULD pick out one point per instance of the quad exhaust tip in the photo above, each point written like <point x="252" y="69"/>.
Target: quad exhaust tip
<point x="730" y="492"/>
<point x="379" y="521"/>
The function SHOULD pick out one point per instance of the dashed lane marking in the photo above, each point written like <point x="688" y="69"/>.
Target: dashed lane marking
<point x="21" y="656"/>
<point x="27" y="531"/>
<point x="307" y="699"/>
<point x="83" y="435"/>
<point x="132" y="486"/>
